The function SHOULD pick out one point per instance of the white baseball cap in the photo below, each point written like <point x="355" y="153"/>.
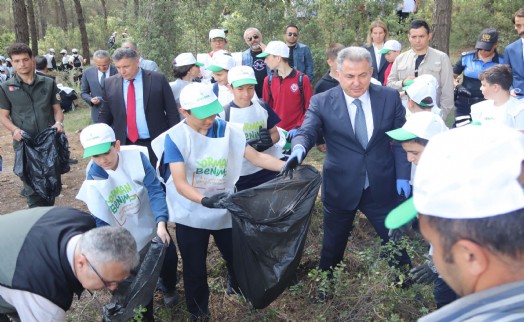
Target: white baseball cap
<point x="221" y="60"/>
<point x="51" y="50"/>
<point x="96" y="139"/>
<point x="74" y="50"/>
<point x="217" y="33"/>
<point x="276" y="48"/>
<point x="391" y="45"/>
<point x="200" y="99"/>
<point x="63" y="51"/>
<point x="422" y="90"/>
<point x="466" y="173"/>
<point x="185" y="59"/>
<point x="241" y="75"/>
<point x="424" y="125"/>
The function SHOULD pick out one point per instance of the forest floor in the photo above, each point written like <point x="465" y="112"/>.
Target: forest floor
<point x="364" y="287"/>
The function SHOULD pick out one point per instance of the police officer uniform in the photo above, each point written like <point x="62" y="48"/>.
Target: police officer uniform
<point x="472" y="65"/>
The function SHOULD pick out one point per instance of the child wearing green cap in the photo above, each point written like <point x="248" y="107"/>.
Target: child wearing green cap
<point x="259" y="125"/>
<point x="205" y="155"/>
<point x="122" y="189"/>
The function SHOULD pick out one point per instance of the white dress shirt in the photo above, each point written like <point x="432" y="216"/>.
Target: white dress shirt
<point x="366" y="106"/>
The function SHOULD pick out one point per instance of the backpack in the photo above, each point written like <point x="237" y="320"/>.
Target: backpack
<point x="227" y="109"/>
<point x="76" y="61"/>
<point x="300" y="86"/>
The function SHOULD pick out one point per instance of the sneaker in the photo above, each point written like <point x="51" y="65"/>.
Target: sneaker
<point x="170" y="298"/>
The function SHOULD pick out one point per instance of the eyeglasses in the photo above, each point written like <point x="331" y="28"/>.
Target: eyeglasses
<point x="107" y="284"/>
<point x="252" y="37"/>
<point x="292" y="34"/>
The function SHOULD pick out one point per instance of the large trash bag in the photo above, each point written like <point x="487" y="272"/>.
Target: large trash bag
<point x="139" y="292"/>
<point x="38" y="162"/>
<point x="270" y="224"/>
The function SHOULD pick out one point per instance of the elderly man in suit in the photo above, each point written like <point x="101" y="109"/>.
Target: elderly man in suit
<point x="514" y="53"/>
<point x="363" y="170"/>
<point x="92" y="85"/>
<point x="140" y="104"/>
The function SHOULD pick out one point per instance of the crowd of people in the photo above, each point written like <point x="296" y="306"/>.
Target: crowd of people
<point x="171" y="152"/>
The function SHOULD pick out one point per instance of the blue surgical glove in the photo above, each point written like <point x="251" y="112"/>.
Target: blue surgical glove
<point x="296" y="158"/>
<point x="403" y="188"/>
<point x="291" y="134"/>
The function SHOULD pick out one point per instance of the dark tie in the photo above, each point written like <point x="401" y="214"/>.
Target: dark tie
<point x="132" y="131"/>
<point x="102" y="80"/>
<point x="361" y="131"/>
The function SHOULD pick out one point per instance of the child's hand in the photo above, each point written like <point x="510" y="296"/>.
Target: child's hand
<point x="161" y="231"/>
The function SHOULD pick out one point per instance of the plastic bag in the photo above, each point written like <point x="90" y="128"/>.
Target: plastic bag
<point x="38" y="162"/>
<point x="270" y="224"/>
<point x="141" y="289"/>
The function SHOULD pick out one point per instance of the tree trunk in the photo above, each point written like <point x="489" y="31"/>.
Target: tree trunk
<point x="20" y="18"/>
<point x="42" y="15"/>
<point x="83" y="31"/>
<point x="32" y="26"/>
<point x="441" y="26"/>
<point x="136" y="9"/>
<point x="62" y="15"/>
<point x="104" y="13"/>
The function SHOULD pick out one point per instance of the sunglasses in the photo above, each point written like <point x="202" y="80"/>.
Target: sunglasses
<point x="252" y="37"/>
<point x="292" y="34"/>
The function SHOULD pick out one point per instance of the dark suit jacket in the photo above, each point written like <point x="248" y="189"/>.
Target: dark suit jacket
<point x="159" y="104"/>
<point x="378" y="69"/>
<point x="346" y="160"/>
<point x="513" y="57"/>
<point x="90" y="87"/>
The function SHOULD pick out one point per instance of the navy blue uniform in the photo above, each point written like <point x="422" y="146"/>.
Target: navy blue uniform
<point x="471" y="65"/>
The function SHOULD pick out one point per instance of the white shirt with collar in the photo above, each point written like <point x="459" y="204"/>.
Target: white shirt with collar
<point x="366" y="107"/>
<point x="100" y="74"/>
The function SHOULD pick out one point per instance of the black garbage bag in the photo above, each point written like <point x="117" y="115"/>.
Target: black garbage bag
<point x="38" y="164"/>
<point x="62" y="144"/>
<point x="139" y="288"/>
<point x="270" y="224"/>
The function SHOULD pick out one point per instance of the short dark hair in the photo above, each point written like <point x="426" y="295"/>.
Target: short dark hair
<point x="519" y="13"/>
<point x="181" y="71"/>
<point x="19" y="48"/>
<point x="291" y="25"/>
<point x="417" y="23"/>
<point x="124" y="52"/>
<point x="500" y="74"/>
<point x="418" y="140"/>
<point x="333" y="50"/>
<point x="41" y="62"/>
<point x="500" y="234"/>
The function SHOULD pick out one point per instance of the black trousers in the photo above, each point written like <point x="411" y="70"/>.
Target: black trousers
<point x="193" y="244"/>
<point x="338" y="224"/>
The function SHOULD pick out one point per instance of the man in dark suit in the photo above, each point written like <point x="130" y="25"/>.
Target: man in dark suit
<point x="139" y="103"/>
<point x="359" y="173"/>
<point x="514" y="53"/>
<point x="92" y="85"/>
<point x="379" y="68"/>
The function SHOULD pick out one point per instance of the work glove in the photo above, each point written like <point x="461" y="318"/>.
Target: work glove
<point x="263" y="142"/>
<point x="396" y="234"/>
<point x="291" y="134"/>
<point x="215" y="201"/>
<point x="403" y="188"/>
<point x="297" y="156"/>
<point x="426" y="273"/>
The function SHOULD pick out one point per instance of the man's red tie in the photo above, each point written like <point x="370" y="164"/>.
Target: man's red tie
<point x="132" y="131"/>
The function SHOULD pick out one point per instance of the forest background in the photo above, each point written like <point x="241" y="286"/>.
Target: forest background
<point x="365" y="288"/>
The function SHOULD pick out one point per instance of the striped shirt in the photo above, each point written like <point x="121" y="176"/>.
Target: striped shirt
<point x="500" y="303"/>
